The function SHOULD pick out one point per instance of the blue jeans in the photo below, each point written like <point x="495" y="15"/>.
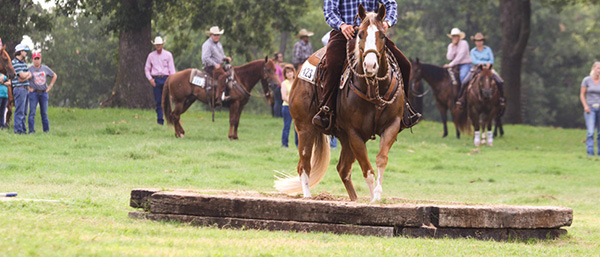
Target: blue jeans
<point x="287" y="122"/>
<point x="464" y="69"/>
<point x="333" y="142"/>
<point x="278" y="101"/>
<point x="160" y="82"/>
<point x="592" y="121"/>
<point x="3" y="103"/>
<point x="42" y="99"/>
<point x="20" y="95"/>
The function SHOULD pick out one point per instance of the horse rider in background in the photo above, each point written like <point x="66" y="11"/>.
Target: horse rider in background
<point x="340" y="16"/>
<point x="458" y="54"/>
<point x="213" y="57"/>
<point x="481" y="55"/>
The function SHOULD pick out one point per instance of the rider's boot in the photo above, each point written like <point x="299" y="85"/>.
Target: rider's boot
<point x="410" y="117"/>
<point x="460" y="100"/>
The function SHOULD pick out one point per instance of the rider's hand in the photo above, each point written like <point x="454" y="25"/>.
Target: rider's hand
<point x="218" y="66"/>
<point x="446" y="65"/>
<point x="152" y="83"/>
<point x="385" y="27"/>
<point x="587" y="109"/>
<point x="228" y="59"/>
<point x="347" y="30"/>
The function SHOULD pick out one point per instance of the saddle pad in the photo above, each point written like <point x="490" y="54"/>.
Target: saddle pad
<point x="198" y="78"/>
<point x="309" y="67"/>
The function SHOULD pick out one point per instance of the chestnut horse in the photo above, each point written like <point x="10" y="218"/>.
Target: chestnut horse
<point x="483" y="104"/>
<point x="444" y="92"/>
<point x="183" y="94"/>
<point x="372" y="103"/>
<point x="7" y="69"/>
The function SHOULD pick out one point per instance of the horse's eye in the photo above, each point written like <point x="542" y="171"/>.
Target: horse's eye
<point x="361" y="34"/>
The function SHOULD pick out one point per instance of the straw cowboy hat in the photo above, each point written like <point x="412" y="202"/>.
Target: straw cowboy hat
<point x="214" y="31"/>
<point x="158" y="41"/>
<point x="304" y="33"/>
<point x="457" y="32"/>
<point x="478" y="36"/>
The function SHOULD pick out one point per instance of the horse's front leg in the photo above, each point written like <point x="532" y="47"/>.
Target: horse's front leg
<point x="490" y="133"/>
<point x="386" y="141"/>
<point x="474" y="115"/>
<point x="344" y="166"/>
<point x="359" y="149"/>
<point x="235" y="110"/>
<point x="443" y="112"/>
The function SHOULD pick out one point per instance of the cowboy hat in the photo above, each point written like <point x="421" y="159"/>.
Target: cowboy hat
<point x="478" y="36"/>
<point x="214" y="31"/>
<point x="456" y="32"/>
<point x="158" y="41"/>
<point x="304" y="33"/>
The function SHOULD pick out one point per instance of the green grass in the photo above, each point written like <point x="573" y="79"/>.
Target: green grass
<point x="91" y="160"/>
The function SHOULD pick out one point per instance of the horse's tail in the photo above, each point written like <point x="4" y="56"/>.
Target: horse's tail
<point x="461" y="116"/>
<point x="166" y="102"/>
<point x="319" y="162"/>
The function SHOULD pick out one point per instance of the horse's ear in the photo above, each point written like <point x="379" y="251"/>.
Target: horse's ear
<point x="361" y="12"/>
<point x="381" y="12"/>
<point x="491" y="66"/>
<point x="266" y="59"/>
<point x="418" y="60"/>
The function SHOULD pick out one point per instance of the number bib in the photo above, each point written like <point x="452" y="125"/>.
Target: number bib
<point x="199" y="81"/>
<point x="308" y="72"/>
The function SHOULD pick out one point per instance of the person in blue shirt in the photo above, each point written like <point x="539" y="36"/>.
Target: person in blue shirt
<point x="481" y="55"/>
<point x="20" y="84"/>
<point x="340" y="16"/>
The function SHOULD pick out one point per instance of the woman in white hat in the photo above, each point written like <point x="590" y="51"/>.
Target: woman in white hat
<point x="213" y="57"/>
<point x="458" y="53"/>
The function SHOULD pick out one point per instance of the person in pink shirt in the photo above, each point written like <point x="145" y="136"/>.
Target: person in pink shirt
<point x="159" y="65"/>
<point x="458" y="53"/>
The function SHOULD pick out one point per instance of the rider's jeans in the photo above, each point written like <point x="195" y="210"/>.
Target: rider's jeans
<point x="464" y="69"/>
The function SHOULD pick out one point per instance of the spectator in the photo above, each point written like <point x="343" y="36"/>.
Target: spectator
<point x="276" y="88"/>
<point x="589" y="95"/>
<point x="286" y="87"/>
<point x="4" y="84"/>
<point x="19" y="84"/>
<point x="159" y="65"/>
<point x="38" y="91"/>
<point x="302" y="48"/>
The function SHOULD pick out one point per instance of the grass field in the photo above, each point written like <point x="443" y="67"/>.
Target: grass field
<point x="91" y="160"/>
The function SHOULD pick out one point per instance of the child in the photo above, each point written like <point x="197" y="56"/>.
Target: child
<point x="286" y="87"/>
<point x="4" y="84"/>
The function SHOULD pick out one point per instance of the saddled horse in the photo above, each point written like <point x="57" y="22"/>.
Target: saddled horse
<point x="179" y="91"/>
<point x="483" y="104"/>
<point x="372" y="103"/>
<point x="444" y="91"/>
<point x="7" y="69"/>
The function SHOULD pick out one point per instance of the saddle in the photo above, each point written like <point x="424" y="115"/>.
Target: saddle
<point x="454" y="73"/>
<point x="202" y="79"/>
<point x="312" y="70"/>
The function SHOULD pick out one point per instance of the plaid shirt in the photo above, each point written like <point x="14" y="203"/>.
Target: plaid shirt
<point x="302" y="51"/>
<point x="338" y="12"/>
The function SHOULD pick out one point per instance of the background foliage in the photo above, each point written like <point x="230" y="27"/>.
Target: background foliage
<point x="561" y="48"/>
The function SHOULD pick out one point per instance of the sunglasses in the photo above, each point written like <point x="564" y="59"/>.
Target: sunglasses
<point x="36" y="58"/>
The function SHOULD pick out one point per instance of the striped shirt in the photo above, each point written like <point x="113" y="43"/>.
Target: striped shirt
<point x="338" y="12"/>
<point x="20" y="67"/>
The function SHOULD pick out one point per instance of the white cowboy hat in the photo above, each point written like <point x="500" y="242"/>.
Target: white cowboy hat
<point x="214" y="31"/>
<point x="304" y="33"/>
<point x="457" y="32"/>
<point x="158" y="41"/>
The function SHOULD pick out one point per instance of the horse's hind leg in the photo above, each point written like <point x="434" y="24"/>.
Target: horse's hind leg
<point x="344" y="167"/>
<point x="306" y="138"/>
<point x="176" y="114"/>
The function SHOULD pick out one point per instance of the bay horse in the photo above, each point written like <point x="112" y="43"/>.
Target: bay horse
<point x="444" y="92"/>
<point x="179" y="91"/>
<point x="7" y="69"/>
<point x="483" y="104"/>
<point x="372" y="103"/>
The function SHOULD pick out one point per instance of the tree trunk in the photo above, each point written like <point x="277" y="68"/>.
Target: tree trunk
<point x="515" y="19"/>
<point x="132" y="89"/>
<point x="283" y="41"/>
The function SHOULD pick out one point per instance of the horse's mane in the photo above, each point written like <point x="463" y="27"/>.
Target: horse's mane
<point x="435" y="72"/>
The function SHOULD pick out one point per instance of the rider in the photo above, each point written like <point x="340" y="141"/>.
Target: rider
<point x="481" y="55"/>
<point x="458" y="53"/>
<point x="213" y="58"/>
<point x="340" y="16"/>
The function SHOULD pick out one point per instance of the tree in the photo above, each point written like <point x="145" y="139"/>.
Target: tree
<point x="515" y="19"/>
<point x="20" y="17"/>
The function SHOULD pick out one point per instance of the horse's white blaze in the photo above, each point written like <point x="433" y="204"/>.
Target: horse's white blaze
<point x="370" y="179"/>
<point x="477" y="139"/>
<point x="370" y="64"/>
<point x="304" y="182"/>
<point x="490" y="138"/>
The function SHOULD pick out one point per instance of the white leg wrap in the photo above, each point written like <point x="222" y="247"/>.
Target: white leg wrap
<point x="379" y="188"/>
<point x="370" y="179"/>
<point x="490" y="138"/>
<point x="305" y="187"/>
<point x="477" y="139"/>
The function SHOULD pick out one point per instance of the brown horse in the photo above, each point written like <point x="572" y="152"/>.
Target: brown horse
<point x="444" y="92"/>
<point x="7" y="69"/>
<point x="372" y="103"/>
<point x="183" y="94"/>
<point x="483" y="104"/>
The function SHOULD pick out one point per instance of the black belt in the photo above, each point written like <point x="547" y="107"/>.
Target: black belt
<point x="160" y="77"/>
<point x="39" y="91"/>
